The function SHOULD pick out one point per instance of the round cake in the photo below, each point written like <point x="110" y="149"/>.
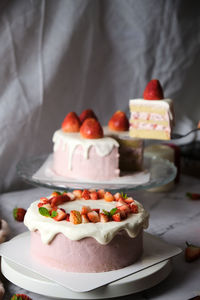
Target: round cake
<point x="86" y="231"/>
<point x="82" y="158"/>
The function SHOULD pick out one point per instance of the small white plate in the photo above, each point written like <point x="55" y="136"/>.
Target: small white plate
<point x="155" y="251"/>
<point x="131" y="284"/>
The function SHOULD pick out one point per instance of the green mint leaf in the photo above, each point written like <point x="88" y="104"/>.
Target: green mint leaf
<point x="64" y="192"/>
<point x="113" y="211"/>
<point x="106" y="212"/>
<point x="54" y="214"/>
<point x="44" y="211"/>
<point x="124" y="195"/>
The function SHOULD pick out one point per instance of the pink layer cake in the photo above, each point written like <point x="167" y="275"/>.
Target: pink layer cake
<point x="77" y="157"/>
<point x="75" y="233"/>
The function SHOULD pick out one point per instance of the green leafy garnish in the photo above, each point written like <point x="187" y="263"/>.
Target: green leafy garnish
<point x="44" y="211"/>
<point x="54" y="214"/>
<point x="124" y="195"/>
<point x="111" y="212"/>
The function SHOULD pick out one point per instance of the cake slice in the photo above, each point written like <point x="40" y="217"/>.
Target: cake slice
<point x="130" y="150"/>
<point x="153" y="116"/>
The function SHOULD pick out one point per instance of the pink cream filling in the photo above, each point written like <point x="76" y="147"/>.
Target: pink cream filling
<point x="87" y="255"/>
<point x="94" y="167"/>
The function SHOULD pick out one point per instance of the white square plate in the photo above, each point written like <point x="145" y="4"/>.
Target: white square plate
<point x="18" y="251"/>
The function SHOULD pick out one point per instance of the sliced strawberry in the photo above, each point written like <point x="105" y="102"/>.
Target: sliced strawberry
<point x="129" y="200"/>
<point x="104" y="218"/>
<point x="71" y="196"/>
<point x="47" y="206"/>
<point x="87" y="113"/>
<point x="86" y="194"/>
<point x="61" y="215"/>
<point x="96" y="209"/>
<point x="19" y="213"/>
<point x="134" y="208"/>
<point x="71" y="123"/>
<point x="116" y="217"/>
<point x="57" y="200"/>
<point x="124" y="208"/>
<point x="94" y="195"/>
<point x="153" y="90"/>
<point x="120" y="202"/>
<point x="78" y="194"/>
<point x="109" y="197"/>
<point x="123" y="214"/>
<point x="67" y="217"/>
<point x="20" y="297"/>
<point x="192" y="252"/>
<point x="85" y="210"/>
<point x="117" y="196"/>
<point x="75" y="217"/>
<point x="55" y="193"/>
<point x="44" y="200"/>
<point x="91" y="129"/>
<point x="101" y="194"/>
<point x="119" y="121"/>
<point x="85" y="219"/>
<point x="93" y="216"/>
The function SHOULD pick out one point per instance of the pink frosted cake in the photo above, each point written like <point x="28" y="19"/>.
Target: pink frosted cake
<point x="86" y="231"/>
<point x="85" y="153"/>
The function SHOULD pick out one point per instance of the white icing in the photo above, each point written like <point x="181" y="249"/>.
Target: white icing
<point x="165" y="103"/>
<point x="103" y="146"/>
<point x="102" y="232"/>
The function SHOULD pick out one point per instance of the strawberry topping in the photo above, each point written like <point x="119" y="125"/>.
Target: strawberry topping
<point x="153" y="90"/>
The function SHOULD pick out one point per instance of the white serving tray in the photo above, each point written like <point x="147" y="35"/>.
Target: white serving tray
<point x="17" y="250"/>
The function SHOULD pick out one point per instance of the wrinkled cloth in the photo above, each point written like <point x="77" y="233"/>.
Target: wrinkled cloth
<point x="65" y="55"/>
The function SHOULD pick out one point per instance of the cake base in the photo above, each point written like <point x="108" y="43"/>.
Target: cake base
<point x="87" y="255"/>
<point x="134" y="283"/>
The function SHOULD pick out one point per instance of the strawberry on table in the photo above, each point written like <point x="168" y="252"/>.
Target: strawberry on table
<point x="193" y="196"/>
<point x="119" y="121"/>
<point x="192" y="252"/>
<point x="71" y="123"/>
<point x="91" y="129"/>
<point x="19" y="213"/>
<point x="153" y="91"/>
<point x="20" y="297"/>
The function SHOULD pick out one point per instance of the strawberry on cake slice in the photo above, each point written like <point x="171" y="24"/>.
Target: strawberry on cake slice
<point x="130" y="150"/>
<point x="75" y="233"/>
<point x="153" y="116"/>
<point x="82" y="152"/>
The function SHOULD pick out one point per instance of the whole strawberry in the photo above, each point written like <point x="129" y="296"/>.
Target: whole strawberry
<point x="20" y="297"/>
<point x="18" y="214"/>
<point x="153" y="90"/>
<point x="192" y="252"/>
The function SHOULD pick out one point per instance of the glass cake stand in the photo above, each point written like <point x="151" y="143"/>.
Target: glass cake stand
<point x="160" y="171"/>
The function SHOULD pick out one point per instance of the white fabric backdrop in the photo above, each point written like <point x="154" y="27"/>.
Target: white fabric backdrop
<point x="68" y="55"/>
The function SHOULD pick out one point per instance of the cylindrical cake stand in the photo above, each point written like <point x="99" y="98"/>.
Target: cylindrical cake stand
<point x="134" y="283"/>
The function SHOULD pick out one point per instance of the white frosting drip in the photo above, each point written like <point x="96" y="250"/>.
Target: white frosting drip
<point x="103" y="146"/>
<point x="102" y="232"/>
<point x="166" y="103"/>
